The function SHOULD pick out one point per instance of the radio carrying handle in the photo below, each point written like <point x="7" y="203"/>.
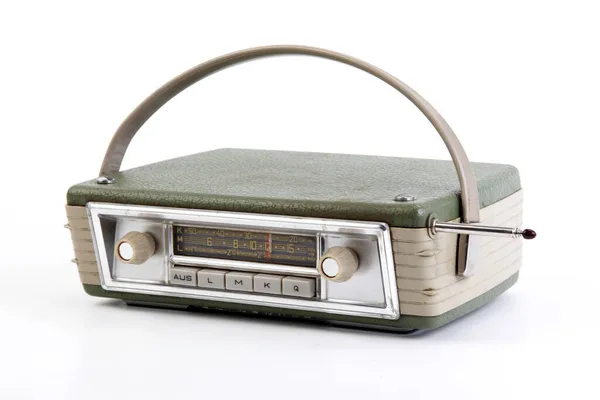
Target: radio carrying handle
<point x="129" y="127"/>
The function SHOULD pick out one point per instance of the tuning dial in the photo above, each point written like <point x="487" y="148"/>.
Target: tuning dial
<point x="338" y="264"/>
<point x="135" y="247"/>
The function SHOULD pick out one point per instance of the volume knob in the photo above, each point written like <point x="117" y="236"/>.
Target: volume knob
<point x="338" y="264"/>
<point x="136" y="247"/>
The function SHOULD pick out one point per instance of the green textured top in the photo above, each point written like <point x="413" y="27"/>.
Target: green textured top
<point x="303" y="184"/>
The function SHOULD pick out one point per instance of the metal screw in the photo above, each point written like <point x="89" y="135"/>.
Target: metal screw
<point x="404" y="198"/>
<point x="105" y="180"/>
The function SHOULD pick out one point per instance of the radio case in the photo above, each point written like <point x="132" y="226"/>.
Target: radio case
<point x="244" y="206"/>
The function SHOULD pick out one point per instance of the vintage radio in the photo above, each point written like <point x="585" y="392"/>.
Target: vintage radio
<point x="379" y="242"/>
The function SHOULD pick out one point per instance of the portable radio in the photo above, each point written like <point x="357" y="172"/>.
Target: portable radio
<point x="366" y="241"/>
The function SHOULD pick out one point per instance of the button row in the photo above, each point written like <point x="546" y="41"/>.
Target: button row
<point x="243" y="281"/>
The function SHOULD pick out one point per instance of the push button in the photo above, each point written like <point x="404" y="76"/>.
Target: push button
<point x="264" y="283"/>
<point x="211" y="278"/>
<point x="183" y="276"/>
<point x="239" y="281"/>
<point x="298" y="287"/>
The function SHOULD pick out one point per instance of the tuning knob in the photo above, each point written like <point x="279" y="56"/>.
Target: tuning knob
<point x="338" y="264"/>
<point x="135" y="247"/>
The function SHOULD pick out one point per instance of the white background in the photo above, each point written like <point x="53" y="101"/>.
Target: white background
<point x="518" y="82"/>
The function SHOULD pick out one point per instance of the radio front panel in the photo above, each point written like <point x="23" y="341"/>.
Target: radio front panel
<point x="326" y="265"/>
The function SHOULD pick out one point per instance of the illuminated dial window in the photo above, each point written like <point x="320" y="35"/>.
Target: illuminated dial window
<point x="228" y="244"/>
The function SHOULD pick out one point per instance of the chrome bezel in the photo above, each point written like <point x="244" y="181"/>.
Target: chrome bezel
<point x="300" y="225"/>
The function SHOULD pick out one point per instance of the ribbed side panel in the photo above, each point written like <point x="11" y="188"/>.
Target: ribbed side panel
<point x="85" y="257"/>
<point x="426" y="268"/>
